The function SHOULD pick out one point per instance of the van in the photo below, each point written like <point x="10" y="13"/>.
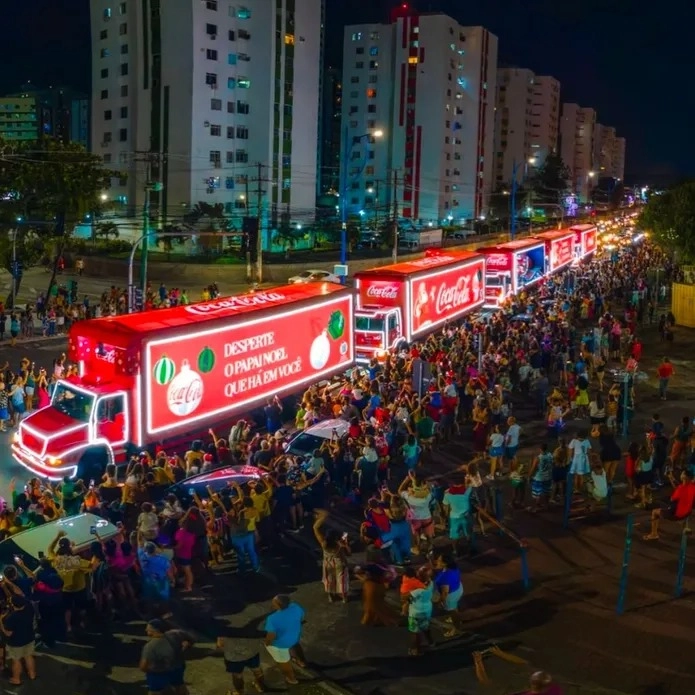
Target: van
<point x="32" y="545"/>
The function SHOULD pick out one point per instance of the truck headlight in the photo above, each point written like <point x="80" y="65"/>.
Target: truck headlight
<point x="53" y="461"/>
<point x="15" y="437"/>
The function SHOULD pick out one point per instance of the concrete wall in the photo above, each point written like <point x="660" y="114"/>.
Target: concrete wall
<point x="195" y="275"/>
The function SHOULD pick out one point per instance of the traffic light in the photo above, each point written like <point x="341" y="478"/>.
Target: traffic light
<point x="249" y="227"/>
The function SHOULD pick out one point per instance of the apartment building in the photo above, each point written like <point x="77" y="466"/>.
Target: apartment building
<point x="513" y="125"/>
<point x="206" y="90"/>
<point x="618" y="159"/>
<point x="545" y="117"/>
<point x="577" y="127"/>
<point x="429" y="84"/>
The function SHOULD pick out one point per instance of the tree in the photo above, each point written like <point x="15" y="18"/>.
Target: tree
<point x="106" y="230"/>
<point x="551" y="180"/>
<point x="51" y="185"/>
<point x="210" y="223"/>
<point x="670" y="218"/>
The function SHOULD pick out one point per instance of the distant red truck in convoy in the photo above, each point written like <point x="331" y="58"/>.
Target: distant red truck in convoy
<point x="157" y="376"/>
<point x="559" y="249"/>
<point x="399" y="303"/>
<point x="585" y="239"/>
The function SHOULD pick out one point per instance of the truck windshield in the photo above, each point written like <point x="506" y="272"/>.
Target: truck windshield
<point x="366" y="323"/>
<point x="75" y="404"/>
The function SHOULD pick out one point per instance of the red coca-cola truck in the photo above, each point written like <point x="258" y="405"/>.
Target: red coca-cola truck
<point x="399" y="303"/>
<point x="170" y="374"/>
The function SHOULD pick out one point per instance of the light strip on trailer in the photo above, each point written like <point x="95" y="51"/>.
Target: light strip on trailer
<point x="138" y="409"/>
<point x="316" y="376"/>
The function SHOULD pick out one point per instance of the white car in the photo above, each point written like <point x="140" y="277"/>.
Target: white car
<point x="303" y="443"/>
<point x="313" y="276"/>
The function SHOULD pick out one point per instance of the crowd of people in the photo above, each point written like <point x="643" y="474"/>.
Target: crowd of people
<point x="557" y="348"/>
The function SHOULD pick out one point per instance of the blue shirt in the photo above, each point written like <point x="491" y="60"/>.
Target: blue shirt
<point x="460" y="504"/>
<point x="286" y="625"/>
<point x="450" y="578"/>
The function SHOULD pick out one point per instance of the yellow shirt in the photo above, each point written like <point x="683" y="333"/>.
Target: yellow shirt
<point x="252" y="516"/>
<point x="73" y="570"/>
<point x="261" y="502"/>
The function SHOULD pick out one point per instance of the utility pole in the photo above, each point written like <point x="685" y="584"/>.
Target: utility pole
<point x="394" y="254"/>
<point x="259" y="180"/>
<point x="512" y="204"/>
<point x="376" y="205"/>
<point x="150" y="159"/>
<point x="249" y="270"/>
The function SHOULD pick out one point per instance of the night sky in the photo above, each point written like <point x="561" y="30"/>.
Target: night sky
<point x="629" y="59"/>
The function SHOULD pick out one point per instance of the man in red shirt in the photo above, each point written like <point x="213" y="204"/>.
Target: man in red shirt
<point x="664" y="371"/>
<point x="680" y="508"/>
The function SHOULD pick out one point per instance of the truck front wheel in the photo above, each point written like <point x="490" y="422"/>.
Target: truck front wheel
<point x="93" y="464"/>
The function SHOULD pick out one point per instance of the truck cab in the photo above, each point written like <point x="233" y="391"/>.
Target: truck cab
<point x="80" y="432"/>
<point x="498" y="287"/>
<point x="377" y="330"/>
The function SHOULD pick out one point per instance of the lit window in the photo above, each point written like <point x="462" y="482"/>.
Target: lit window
<point x="231" y="83"/>
<point x="105" y="53"/>
<point x="107" y="14"/>
<point x="231" y="59"/>
<point x="244" y="83"/>
<point x="229" y="182"/>
<point x="243" y="13"/>
<point x="374" y="36"/>
<point x="357" y="36"/>
<point x="412" y="60"/>
<point x="371" y="93"/>
<point x="289" y="39"/>
<point x="374" y="51"/>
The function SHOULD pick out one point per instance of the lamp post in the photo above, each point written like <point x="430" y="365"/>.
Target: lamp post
<point x="348" y="144"/>
<point x="512" y="197"/>
<point x="590" y="175"/>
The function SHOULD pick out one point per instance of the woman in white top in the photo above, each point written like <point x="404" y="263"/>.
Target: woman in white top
<point x="579" y="451"/>
<point x="597" y="413"/>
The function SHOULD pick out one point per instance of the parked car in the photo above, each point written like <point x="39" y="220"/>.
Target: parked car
<point x="313" y="276"/>
<point x="304" y="442"/>
<point x="218" y="479"/>
<point x="31" y="545"/>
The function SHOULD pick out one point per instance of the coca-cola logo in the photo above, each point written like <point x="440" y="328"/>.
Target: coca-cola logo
<point x="185" y="392"/>
<point x="232" y="303"/>
<point x="382" y="292"/>
<point x="108" y="356"/>
<point x="449" y="298"/>
<point x="497" y="260"/>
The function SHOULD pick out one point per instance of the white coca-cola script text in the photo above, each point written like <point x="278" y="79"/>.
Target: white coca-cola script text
<point x="382" y="291"/>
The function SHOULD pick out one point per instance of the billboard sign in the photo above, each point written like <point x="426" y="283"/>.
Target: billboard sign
<point x="445" y="295"/>
<point x="198" y="375"/>
<point x="529" y="266"/>
<point x="560" y="252"/>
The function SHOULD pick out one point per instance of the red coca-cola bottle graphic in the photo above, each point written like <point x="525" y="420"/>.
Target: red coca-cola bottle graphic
<point x="185" y="391"/>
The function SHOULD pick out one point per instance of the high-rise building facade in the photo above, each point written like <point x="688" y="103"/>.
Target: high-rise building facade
<point x="604" y="144"/>
<point x="577" y="147"/>
<point x="429" y="85"/>
<point x="618" y="159"/>
<point x="545" y="117"/>
<point x="206" y="91"/>
<point x="512" y="124"/>
<point x="329" y="138"/>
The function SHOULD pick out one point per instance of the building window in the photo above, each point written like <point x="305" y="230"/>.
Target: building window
<point x="104" y="93"/>
<point x="122" y="134"/>
<point x="211" y="5"/>
<point x="373" y="64"/>
<point x="124" y="90"/>
<point x="244" y="83"/>
<point x="106" y="159"/>
<point x="243" y="34"/>
<point x="241" y="156"/>
<point x="107" y="137"/>
<point x="107" y="115"/>
<point x="371" y="108"/>
<point x="289" y="39"/>
<point x="374" y="36"/>
<point x="372" y="79"/>
<point x="104" y="72"/>
<point x="216" y="104"/>
<point x="359" y="65"/>
<point x="371" y="94"/>
<point x="122" y="9"/>
<point x="211" y="79"/>
<point x="211" y="54"/>
<point x="103" y="34"/>
<point x="374" y="51"/>
<point x="243" y="13"/>
<point x="124" y="69"/>
<point x="243" y="57"/>
<point x="412" y="60"/>
<point x="231" y="83"/>
<point x="242" y="107"/>
<point x="231" y="35"/>
<point x="104" y="53"/>
<point x="124" y="49"/>
<point x="216" y="158"/>
<point x="229" y="157"/>
<point x="230" y="107"/>
<point x="354" y="79"/>
<point x="124" y="112"/>
<point x="230" y="132"/>
<point x="357" y="36"/>
<point x="229" y="183"/>
<point x="123" y="28"/>
<point x="231" y="59"/>
<point x="242" y="133"/>
<point x="107" y="14"/>
<point x="216" y="130"/>
<point x="359" y="50"/>
<point x="211" y="30"/>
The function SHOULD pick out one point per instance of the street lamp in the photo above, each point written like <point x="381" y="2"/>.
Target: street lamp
<point x="590" y="175"/>
<point x="348" y="144"/>
<point x="103" y="197"/>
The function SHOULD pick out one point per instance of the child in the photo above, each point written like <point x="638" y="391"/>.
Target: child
<point x="598" y="483"/>
<point x="148" y="522"/>
<point x="517" y="478"/>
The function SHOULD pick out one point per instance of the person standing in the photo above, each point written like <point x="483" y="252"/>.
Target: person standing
<point x="17" y="626"/>
<point x="579" y="449"/>
<point x="283" y="628"/>
<point x="511" y="440"/>
<point x="162" y="659"/>
<point x="241" y="652"/>
<point x="336" y="573"/>
<point x="664" y="371"/>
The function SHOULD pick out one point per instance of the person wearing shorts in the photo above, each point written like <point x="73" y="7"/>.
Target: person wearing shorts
<point x="457" y="505"/>
<point x="17" y="627"/>
<point x="241" y="653"/>
<point x="679" y="509"/>
<point x="283" y="629"/>
<point x="418" y="497"/>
